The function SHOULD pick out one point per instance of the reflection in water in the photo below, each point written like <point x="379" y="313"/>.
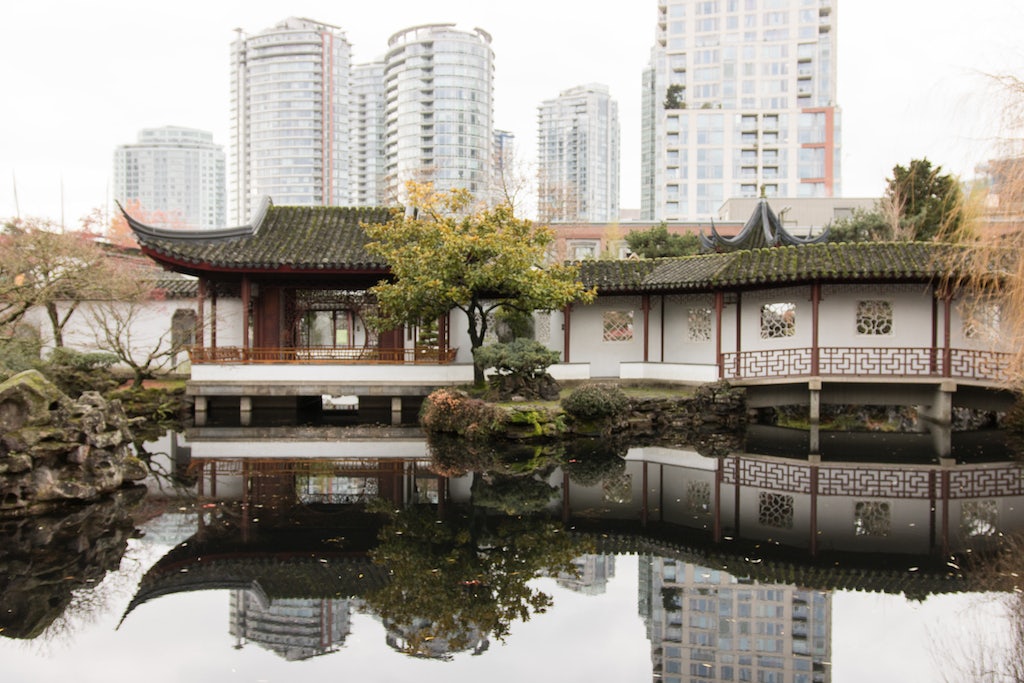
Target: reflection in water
<point x="449" y="546"/>
<point x="51" y="564"/>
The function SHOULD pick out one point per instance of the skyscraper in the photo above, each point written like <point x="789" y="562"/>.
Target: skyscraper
<point x="578" y="156"/>
<point x="368" y="173"/>
<point x="739" y="98"/>
<point x="174" y="175"/>
<point x="290" y="100"/>
<point x="439" y="108"/>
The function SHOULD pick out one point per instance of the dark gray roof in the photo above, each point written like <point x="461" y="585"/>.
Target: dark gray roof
<point x="283" y="238"/>
<point x="762" y="229"/>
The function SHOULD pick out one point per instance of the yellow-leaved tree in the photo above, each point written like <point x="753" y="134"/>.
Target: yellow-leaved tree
<point x="444" y="253"/>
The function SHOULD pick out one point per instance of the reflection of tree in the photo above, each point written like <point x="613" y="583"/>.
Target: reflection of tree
<point x="982" y="652"/>
<point x="464" y="578"/>
<point x="455" y="457"/>
<point x="51" y="565"/>
<point x="590" y="462"/>
<point x="512" y="495"/>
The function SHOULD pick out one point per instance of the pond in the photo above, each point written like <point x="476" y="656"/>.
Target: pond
<point x="282" y="554"/>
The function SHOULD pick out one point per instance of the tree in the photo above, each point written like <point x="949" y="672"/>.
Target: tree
<point x="443" y="255"/>
<point x="674" y="96"/>
<point x="54" y="270"/>
<point x="925" y="203"/>
<point x="863" y="226"/>
<point x="658" y="241"/>
<point x="118" y="327"/>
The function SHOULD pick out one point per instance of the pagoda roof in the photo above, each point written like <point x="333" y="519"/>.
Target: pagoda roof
<point x="281" y="239"/>
<point x="762" y="229"/>
<point x="783" y="265"/>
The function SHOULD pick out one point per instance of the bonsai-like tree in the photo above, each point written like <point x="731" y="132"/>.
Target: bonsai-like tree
<point x="445" y="255"/>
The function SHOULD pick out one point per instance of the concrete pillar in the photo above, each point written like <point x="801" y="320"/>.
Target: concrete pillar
<point x="396" y="410"/>
<point x="199" y="407"/>
<point x="814" y="416"/>
<point x="245" y="410"/>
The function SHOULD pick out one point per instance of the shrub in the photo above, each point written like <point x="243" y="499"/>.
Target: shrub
<point x="76" y="372"/>
<point x="520" y="357"/>
<point x="595" y="402"/>
<point x="454" y="412"/>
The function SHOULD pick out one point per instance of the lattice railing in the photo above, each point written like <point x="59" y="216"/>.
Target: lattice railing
<point x="854" y="361"/>
<point x="991" y="481"/>
<point x="322" y="354"/>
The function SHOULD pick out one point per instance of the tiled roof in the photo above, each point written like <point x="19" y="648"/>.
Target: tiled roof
<point x="762" y="229"/>
<point x="829" y="262"/>
<point x="293" y="238"/>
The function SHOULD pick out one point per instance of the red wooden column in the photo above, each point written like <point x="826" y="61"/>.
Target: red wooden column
<point x="201" y="314"/>
<point x="716" y="529"/>
<point x="815" y="305"/>
<point x="739" y="330"/>
<point x="933" y="358"/>
<point x="246" y="302"/>
<point x="213" y="317"/>
<point x="645" y="306"/>
<point x="566" y="313"/>
<point x="814" y="510"/>
<point x="719" y="306"/>
<point x="947" y="360"/>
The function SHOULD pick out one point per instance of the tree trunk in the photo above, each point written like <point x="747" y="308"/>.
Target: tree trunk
<point x="58" y="331"/>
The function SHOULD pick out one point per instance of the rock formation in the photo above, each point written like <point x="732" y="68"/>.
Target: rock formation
<point x="54" y="449"/>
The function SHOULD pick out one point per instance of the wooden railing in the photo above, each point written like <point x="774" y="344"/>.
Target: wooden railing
<point x="860" y="361"/>
<point x="322" y="355"/>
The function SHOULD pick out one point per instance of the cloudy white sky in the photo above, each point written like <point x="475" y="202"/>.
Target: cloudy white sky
<point x="79" y="78"/>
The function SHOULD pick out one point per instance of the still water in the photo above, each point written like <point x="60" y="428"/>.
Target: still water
<point x="283" y="554"/>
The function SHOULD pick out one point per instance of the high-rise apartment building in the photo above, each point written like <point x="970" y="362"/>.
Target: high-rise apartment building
<point x="174" y="176"/>
<point x="439" y="108"/>
<point x="290" y="109"/>
<point x="739" y="99"/>
<point x="578" y="156"/>
<point x="368" y="172"/>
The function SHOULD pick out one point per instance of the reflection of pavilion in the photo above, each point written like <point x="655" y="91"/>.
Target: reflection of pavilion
<point x="294" y="628"/>
<point x="705" y="624"/>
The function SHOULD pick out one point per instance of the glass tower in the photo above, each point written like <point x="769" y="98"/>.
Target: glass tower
<point x="578" y="156"/>
<point x="174" y="176"/>
<point x="439" y="109"/>
<point x="739" y="100"/>
<point x="290" y="101"/>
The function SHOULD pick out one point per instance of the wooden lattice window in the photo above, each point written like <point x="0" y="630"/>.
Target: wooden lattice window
<point x="872" y="518"/>
<point x="775" y="510"/>
<point x="618" y="326"/>
<point x="874" y="317"/>
<point x="778" y="320"/>
<point x="698" y="325"/>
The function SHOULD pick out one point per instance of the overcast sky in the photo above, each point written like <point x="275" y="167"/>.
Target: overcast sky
<point x="80" y="78"/>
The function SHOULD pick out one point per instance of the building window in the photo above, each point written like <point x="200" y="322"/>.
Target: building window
<point x="618" y="326"/>
<point x="871" y="518"/>
<point x="580" y="250"/>
<point x="778" y="320"/>
<point x="775" y="510"/>
<point x="698" y="325"/>
<point x="874" y="317"/>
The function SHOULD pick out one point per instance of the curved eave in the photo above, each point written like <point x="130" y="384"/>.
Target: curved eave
<point x="152" y="232"/>
<point x="198" y="268"/>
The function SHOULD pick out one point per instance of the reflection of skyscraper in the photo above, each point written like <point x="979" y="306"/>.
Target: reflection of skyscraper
<point x="705" y="625"/>
<point x="293" y="628"/>
<point x="592" y="574"/>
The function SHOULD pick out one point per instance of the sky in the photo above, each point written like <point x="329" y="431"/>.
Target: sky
<point x="80" y="78"/>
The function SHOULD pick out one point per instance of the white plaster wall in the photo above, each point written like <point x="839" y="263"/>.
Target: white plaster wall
<point x="678" y="346"/>
<point x="909" y="522"/>
<point x="328" y="372"/>
<point x="587" y="331"/>
<point x="750" y="318"/>
<point x="151" y="326"/>
<point x="911" y="316"/>
<point x="987" y="337"/>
